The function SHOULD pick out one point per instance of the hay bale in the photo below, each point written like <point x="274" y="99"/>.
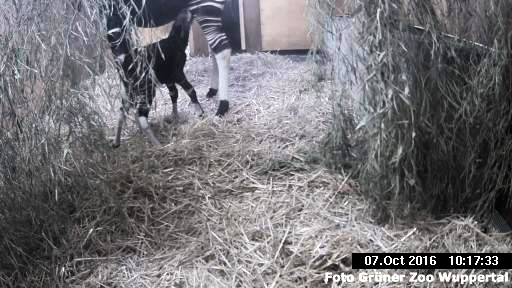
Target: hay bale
<point x="343" y="56"/>
<point x="335" y="27"/>
<point x="428" y="130"/>
<point x="439" y="106"/>
<point x="47" y="156"/>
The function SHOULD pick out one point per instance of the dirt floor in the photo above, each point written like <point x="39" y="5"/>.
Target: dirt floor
<point x="242" y="201"/>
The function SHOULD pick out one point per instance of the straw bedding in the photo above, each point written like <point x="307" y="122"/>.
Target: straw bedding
<point x="242" y="201"/>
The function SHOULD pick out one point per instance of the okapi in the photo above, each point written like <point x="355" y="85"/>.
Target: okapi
<point x="155" y="13"/>
<point x="166" y="59"/>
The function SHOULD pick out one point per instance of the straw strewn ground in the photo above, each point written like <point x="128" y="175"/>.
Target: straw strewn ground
<point x="242" y="201"/>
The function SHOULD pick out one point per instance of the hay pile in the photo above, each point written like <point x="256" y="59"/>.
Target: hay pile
<point x="222" y="190"/>
<point x="433" y="124"/>
<point x="440" y="107"/>
<point x="48" y="129"/>
<point x="341" y="62"/>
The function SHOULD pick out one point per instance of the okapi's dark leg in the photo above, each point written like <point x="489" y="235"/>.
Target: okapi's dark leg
<point x="191" y="92"/>
<point x="173" y="93"/>
<point x="125" y="107"/>
<point x="143" y="113"/>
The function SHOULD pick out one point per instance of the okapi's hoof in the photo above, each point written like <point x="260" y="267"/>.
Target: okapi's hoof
<point x="115" y="145"/>
<point x="223" y="108"/>
<point x="198" y="110"/>
<point x="211" y="93"/>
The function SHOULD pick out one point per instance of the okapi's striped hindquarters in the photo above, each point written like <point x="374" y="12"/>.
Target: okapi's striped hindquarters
<point x="154" y="13"/>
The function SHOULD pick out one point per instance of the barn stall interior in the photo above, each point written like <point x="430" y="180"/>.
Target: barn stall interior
<point x="250" y="199"/>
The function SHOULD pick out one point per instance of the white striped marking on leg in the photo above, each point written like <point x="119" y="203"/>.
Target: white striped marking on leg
<point x="214" y="72"/>
<point x="144" y="125"/>
<point x="223" y="66"/>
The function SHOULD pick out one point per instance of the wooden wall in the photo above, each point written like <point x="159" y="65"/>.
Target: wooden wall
<point x="150" y="35"/>
<point x="198" y="44"/>
<point x="252" y="25"/>
<point x="284" y="25"/>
